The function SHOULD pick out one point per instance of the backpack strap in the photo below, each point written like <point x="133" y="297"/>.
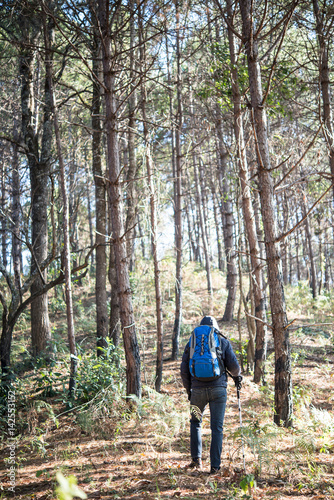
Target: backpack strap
<point x="220" y="352"/>
<point x="192" y="344"/>
<point x="212" y="343"/>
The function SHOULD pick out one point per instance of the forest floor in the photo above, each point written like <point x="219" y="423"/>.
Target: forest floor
<point x="142" y="454"/>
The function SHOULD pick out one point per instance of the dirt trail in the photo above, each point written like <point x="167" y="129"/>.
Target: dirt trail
<point x="145" y="458"/>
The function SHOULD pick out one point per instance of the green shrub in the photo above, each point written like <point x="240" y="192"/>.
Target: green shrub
<point x="97" y="373"/>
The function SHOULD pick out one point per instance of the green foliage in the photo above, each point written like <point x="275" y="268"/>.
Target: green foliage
<point x="247" y="483"/>
<point x="236" y="344"/>
<point x="98" y="373"/>
<point x="68" y="488"/>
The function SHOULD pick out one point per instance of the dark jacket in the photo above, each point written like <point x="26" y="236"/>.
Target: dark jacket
<point x="230" y="363"/>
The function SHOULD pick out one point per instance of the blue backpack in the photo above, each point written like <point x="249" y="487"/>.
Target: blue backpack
<point x="205" y="362"/>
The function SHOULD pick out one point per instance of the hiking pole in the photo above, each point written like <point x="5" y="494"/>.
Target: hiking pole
<point x="238" y="385"/>
<point x="237" y="382"/>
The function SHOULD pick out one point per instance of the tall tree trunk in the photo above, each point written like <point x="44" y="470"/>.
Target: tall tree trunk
<point x="217" y="223"/>
<point x="3" y="228"/>
<point x="16" y="211"/>
<point x="327" y="263"/>
<point x="39" y="167"/>
<point x="313" y="273"/>
<point x="131" y="195"/>
<point x="123" y="282"/>
<point x="297" y="256"/>
<point x="202" y="226"/>
<point x="228" y="227"/>
<point x="102" y="320"/>
<point x="90" y="218"/>
<point x="178" y="199"/>
<point x="153" y="211"/>
<point x="48" y="33"/>
<point x="324" y="74"/>
<point x="249" y="218"/>
<point x="283" y="383"/>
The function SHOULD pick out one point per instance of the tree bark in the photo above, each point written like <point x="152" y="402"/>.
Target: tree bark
<point x="217" y="224"/>
<point x="102" y="319"/>
<point x="228" y="227"/>
<point x="202" y="226"/>
<point x="39" y="166"/>
<point x="249" y="218"/>
<point x="16" y="212"/>
<point x="131" y="195"/>
<point x="123" y="282"/>
<point x="313" y="274"/>
<point x="178" y="199"/>
<point x="283" y="384"/>
<point x="324" y="74"/>
<point x="3" y="202"/>
<point x="48" y="30"/>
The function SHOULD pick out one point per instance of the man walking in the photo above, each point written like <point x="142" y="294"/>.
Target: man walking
<point x="206" y="357"/>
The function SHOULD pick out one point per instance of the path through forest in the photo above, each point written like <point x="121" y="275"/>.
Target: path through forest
<point x="143" y="455"/>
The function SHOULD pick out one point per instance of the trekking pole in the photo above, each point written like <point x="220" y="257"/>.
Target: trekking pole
<point x="241" y="427"/>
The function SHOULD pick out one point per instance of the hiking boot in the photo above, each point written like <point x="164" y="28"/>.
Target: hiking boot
<point x="214" y="470"/>
<point x="196" y="463"/>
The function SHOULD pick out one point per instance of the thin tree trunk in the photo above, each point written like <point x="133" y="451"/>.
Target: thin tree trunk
<point x="16" y="212"/>
<point x="123" y="282"/>
<point x="313" y="274"/>
<point x="178" y="200"/>
<point x="297" y="256"/>
<point x="228" y="227"/>
<point x="90" y="218"/>
<point x="102" y="320"/>
<point x="3" y="219"/>
<point x="153" y="211"/>
<point x="131" y="195"/>
<point x="283" y="383"/>
<point x="324" y="76"/>
<point x="320" y="237"/>
<point x="217" y="225"/>
<point x="66" y="216"/>
<point x="327" y="265"/>
<point x="203" y="232"/>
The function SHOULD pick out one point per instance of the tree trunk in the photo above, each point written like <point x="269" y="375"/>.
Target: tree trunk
<point x="16" y="211"/>
<point x="3" y="219"/>
<point x="327" y="263"/>
<point x="123" y="282"/>
<point x="178" y="200"/>
<point x="249" y="218"/>
<point x="313" y="274"/>
<point x="324" y="73"/>
<point x="153" y="211"/>
<point x="39" y="167"/>
<point x="102" y="319"/>
<point x="203" y="232"/>
<point x="283" y="384"/>
<point x="48" y="29"/>
<point x="228" y="227"/>
<point x="217" y="225"/>
<point x="131" y="195"/>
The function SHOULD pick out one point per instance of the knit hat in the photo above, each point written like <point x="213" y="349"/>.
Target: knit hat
<point x="210" y="321"/>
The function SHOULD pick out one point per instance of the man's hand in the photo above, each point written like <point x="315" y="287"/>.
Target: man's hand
<point x="237" y="381"/>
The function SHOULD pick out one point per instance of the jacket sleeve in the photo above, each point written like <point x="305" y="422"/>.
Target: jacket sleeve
<point x="231" y="362"/>
<point x="185" y="373"/>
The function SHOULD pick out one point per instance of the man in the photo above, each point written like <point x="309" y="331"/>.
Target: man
<point x="212" y="392"/>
